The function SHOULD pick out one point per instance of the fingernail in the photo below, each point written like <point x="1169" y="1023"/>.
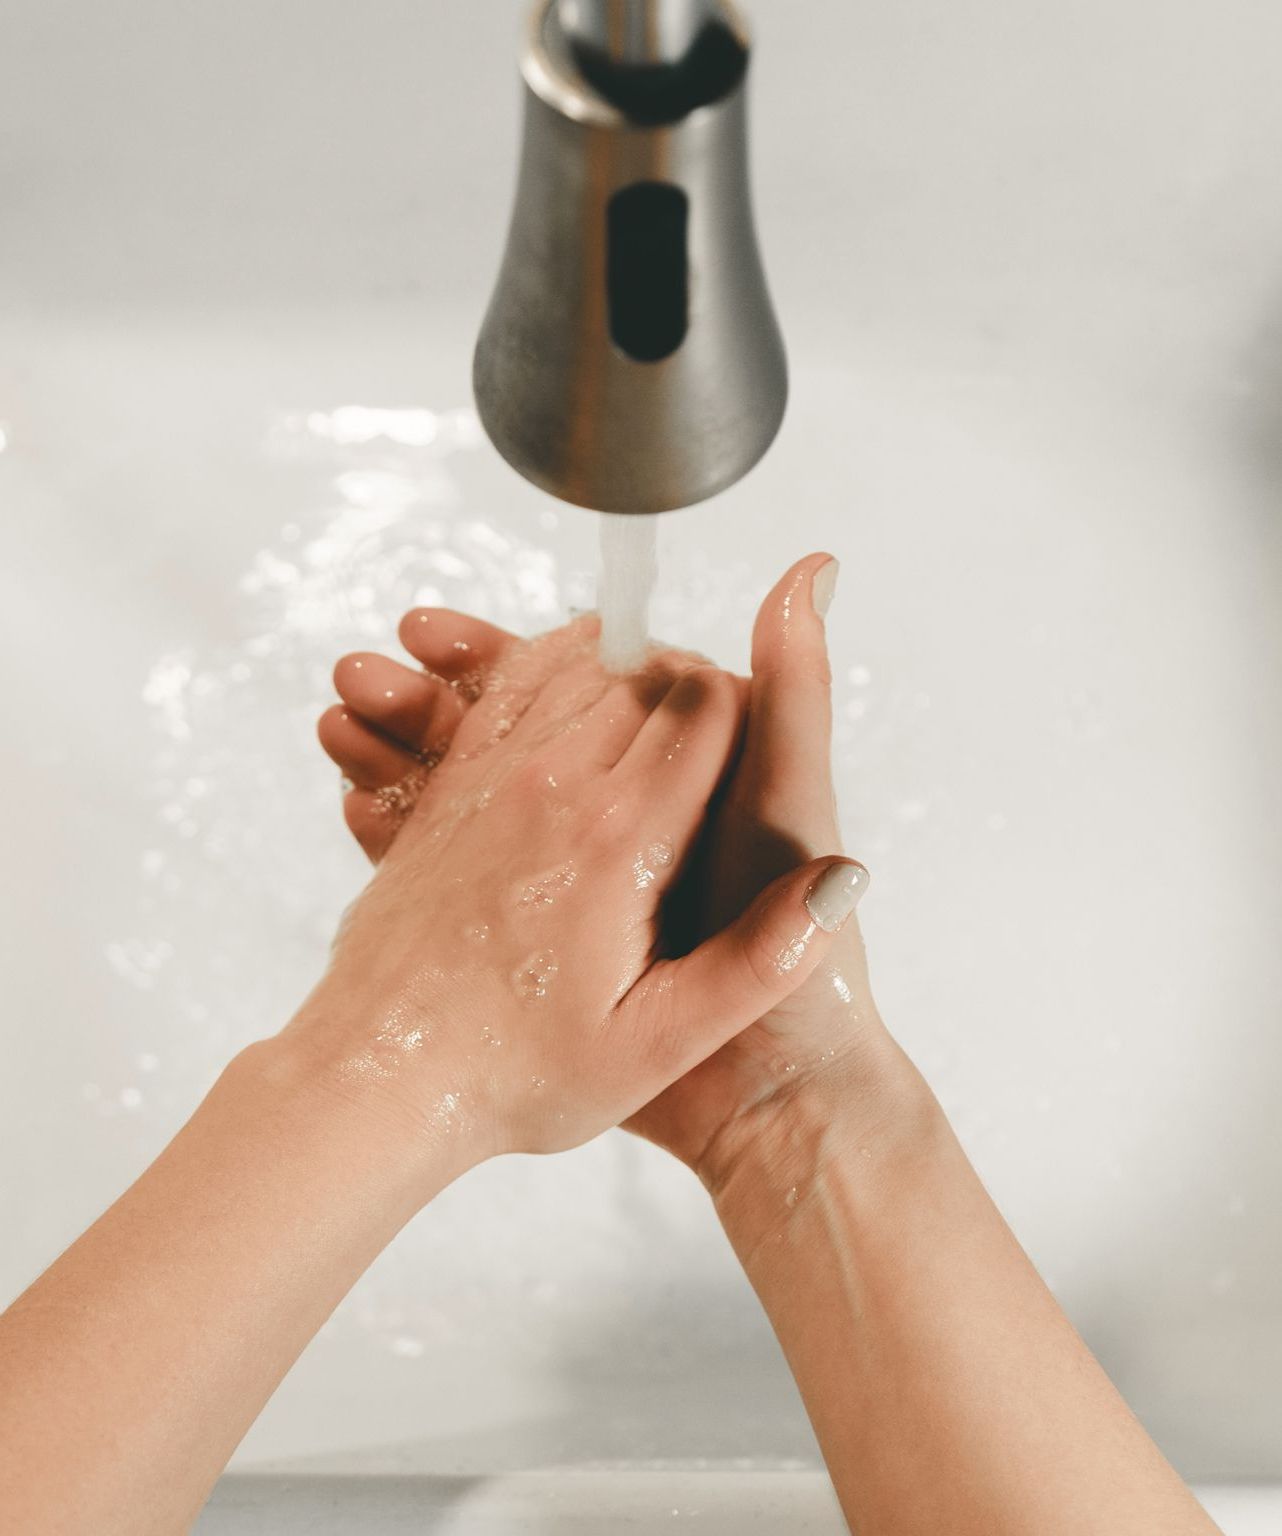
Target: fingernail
<point x="823" y="585"/>
<point x="835" y="895"/>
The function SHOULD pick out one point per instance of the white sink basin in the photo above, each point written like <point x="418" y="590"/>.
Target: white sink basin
<point x="713" y="1503"/>
<point x="1027" y="259"/>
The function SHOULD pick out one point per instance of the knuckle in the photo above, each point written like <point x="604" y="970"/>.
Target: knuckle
<point x="533" y="775"/>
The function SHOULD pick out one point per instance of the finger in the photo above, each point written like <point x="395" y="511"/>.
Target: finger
<point x="455" y="646"/>
<point x="420" y="712"/>
<point x="684" y="744"/>
<point x="365" y="757"/>
<point x="611" y="725"/>
<point x="559" y="705"/>
<point x="692" y="1006"/>
<point x="786" y="769"/>
<point x="375" y="816"/>
<point x="524" y="671"/>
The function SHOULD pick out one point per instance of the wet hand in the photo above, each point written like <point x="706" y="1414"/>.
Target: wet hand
<point x="499" y="985"/>
<point x="825" y="1039"/>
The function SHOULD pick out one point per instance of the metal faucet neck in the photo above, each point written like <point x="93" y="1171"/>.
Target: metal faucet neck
<point x="637" y="32"/>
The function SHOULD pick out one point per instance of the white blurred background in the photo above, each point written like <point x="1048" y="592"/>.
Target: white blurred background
<point x="1028" y="258"/>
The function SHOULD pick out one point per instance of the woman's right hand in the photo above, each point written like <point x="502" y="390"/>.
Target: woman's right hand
<point x="497" y="984"/>
<point x="819" y="1060"/>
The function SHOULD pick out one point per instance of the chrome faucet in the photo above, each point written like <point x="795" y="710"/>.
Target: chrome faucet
<point x="630" y="359"/>
<point x="653" y="33"/>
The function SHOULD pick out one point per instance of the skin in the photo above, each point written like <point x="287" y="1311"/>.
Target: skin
<point x="947" y="1389"/>
<point x="501" y="985"/>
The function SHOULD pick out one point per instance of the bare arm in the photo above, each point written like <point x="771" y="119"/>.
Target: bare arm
<point x="948" y="1390"/>
<point x="132" y="1368"/>
<point x="466" y="1013"/>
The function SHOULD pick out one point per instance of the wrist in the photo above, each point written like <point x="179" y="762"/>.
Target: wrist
<point x="316" y="1087"/>
<point x="869" y="1113"/>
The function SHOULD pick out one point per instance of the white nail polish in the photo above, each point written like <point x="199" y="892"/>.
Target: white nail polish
<point x="823" y="585"/>
<point x="346" y="786"/>
<point x="835" y="895"/>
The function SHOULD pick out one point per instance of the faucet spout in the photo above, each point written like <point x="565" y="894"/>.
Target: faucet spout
<point x="630" y="359"/>
<point x="637" y="32"/>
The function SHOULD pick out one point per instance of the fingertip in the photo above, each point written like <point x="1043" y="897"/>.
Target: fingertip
<point x="453" y="645"/>
<point x="834" y="893"/>
<point x="791" y="614"/>
<point x="363" y="752"/>
<point x="330" y="724"/>
<point x="823" y="585"/>
<point x="346" y="668"/>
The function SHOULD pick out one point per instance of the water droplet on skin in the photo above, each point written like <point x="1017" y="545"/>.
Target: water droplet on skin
<point x="841" y="987"/>
<point x="398" y="800"/>
<point x="538" y="1082"/>
<point x="470" y="685"/>
<point x="533" y="979"/>
<point x="790" y="1199"/>
<point x="790" y="958"/>
<point x="647" y="865"/>
<point x="365" y="1065"/>
<point x="477" y="933"/>
<point x="446" y="1113"/>
<point x="542" y="893"/>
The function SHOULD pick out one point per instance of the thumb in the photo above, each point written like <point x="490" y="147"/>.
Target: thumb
<point x="752" y="965"/>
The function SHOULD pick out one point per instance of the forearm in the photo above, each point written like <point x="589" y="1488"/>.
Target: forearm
<point x="132" y="1368"/>
<point x="947" y="1389"/>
